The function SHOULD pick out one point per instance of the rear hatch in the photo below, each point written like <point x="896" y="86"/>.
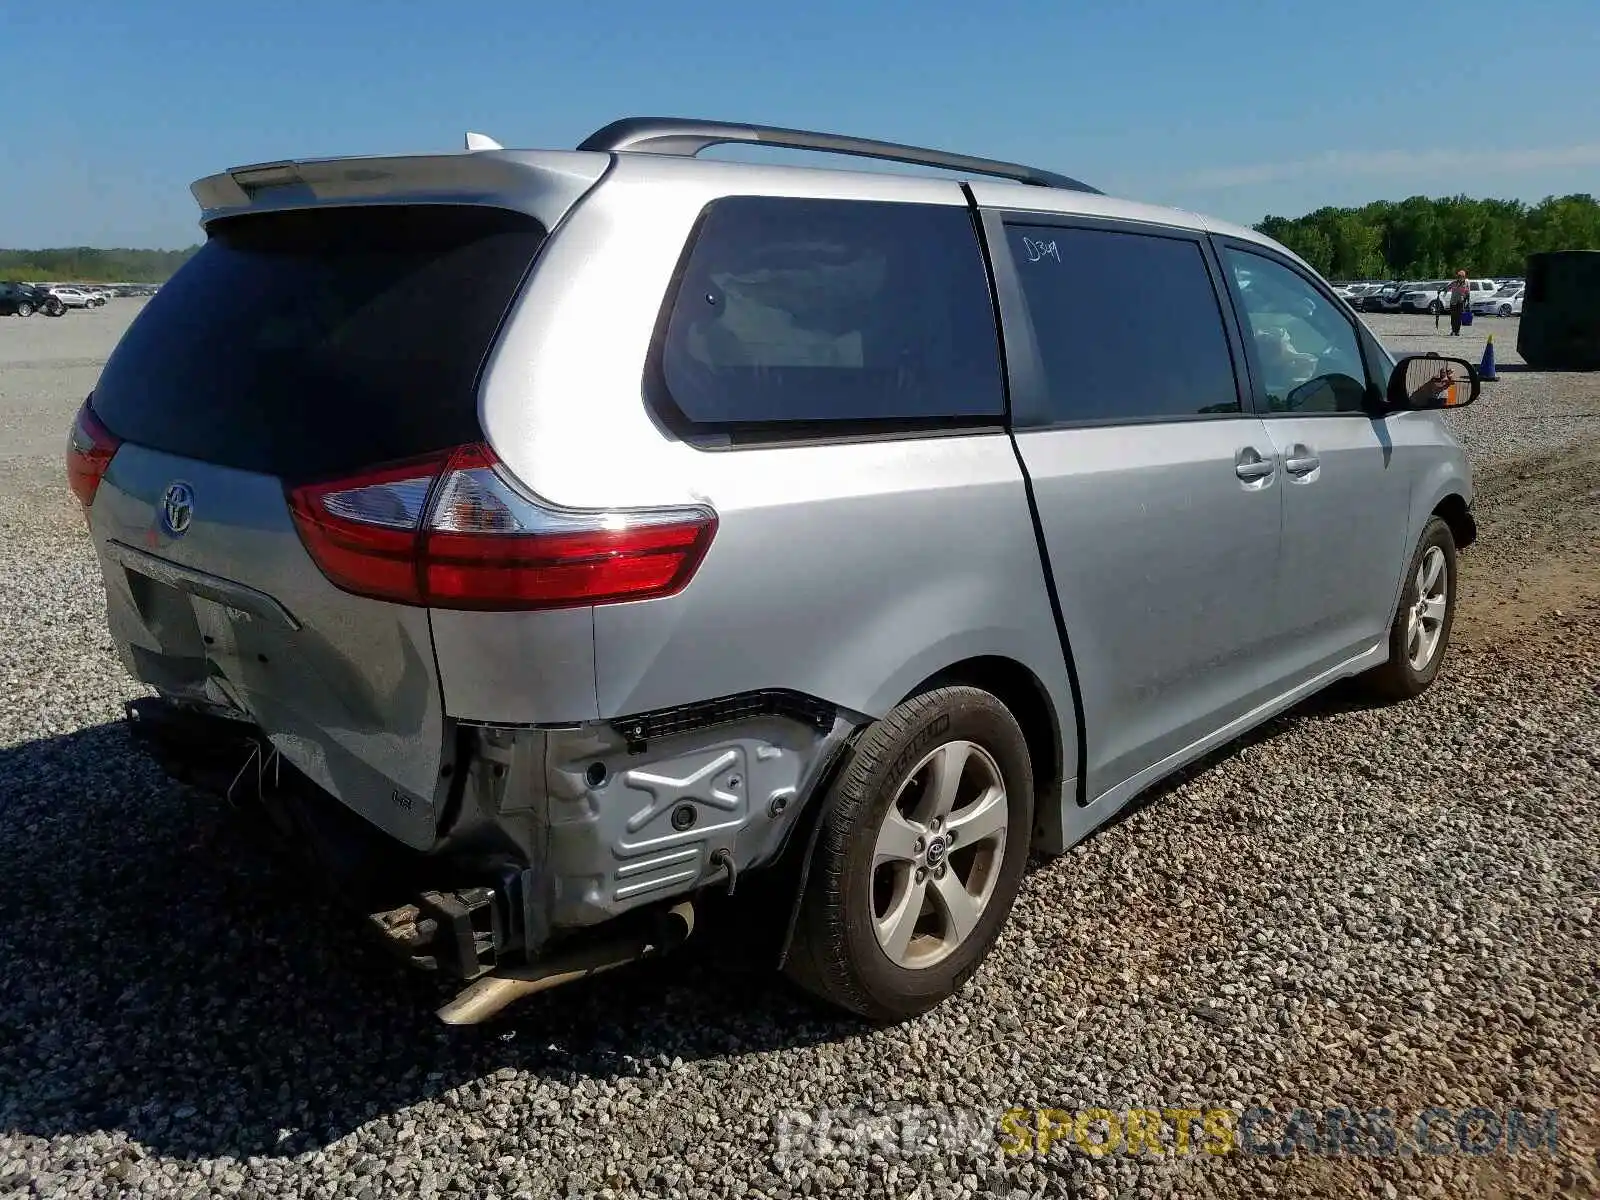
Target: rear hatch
<point x="298" y="348"/>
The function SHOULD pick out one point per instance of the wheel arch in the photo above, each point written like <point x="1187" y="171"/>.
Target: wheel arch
<point x="1025" y="696"/>
<point x="1011" y="682"/>
<point x="1452" y="509"/>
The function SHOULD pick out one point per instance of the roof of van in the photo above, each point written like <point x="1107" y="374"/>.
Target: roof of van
<point x="485" y="169"/>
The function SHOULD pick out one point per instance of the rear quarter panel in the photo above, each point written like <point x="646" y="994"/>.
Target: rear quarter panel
<point x="850" y="571"/>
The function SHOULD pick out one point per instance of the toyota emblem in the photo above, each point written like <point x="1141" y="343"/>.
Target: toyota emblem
<point x="177" y="509"/>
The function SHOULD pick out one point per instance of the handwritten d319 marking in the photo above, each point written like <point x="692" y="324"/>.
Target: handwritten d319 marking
<point x="1040" y="250"/>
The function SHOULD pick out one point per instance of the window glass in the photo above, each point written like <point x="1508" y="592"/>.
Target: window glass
<point x="799" y="311"/>
<point x="1127" y="324"/>
<point x="310" y="343"/>
<point x="1306" y="350"/>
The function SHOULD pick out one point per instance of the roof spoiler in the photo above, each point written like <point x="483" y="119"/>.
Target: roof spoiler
<point x="542" y="182"/>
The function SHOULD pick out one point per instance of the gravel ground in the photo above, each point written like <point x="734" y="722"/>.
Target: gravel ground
<point x="1370" y="908"/>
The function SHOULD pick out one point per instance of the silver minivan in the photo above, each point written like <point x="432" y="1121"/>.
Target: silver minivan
<point x="551" y="541"/>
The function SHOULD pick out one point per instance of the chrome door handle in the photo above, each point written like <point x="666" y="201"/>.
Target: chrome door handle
<point x="1250" y="469"/>
<point x="1302" y="464"/>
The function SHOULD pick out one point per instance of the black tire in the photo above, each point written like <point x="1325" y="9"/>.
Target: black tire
<point x="24" y="309"/>
<point x="1398" y="679"/>
<point x="836" y="954"/>
<point x="1505" y="310"/>
<point x="1435" y="308"/>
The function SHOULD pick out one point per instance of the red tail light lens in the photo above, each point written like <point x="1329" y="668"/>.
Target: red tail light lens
<point x="363" y="532"/>
<point x="90" y="449"/>
<point x="456" y="532"/>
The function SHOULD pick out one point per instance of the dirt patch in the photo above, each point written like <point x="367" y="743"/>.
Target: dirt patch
<point x="1535" y="571"/>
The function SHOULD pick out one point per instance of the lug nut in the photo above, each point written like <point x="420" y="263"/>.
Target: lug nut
<point x="919" y="846"/>
<point x="938" y="873"/>
<point x="922" y="874"/>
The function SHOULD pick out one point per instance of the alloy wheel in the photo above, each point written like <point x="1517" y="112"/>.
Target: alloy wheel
<point x="938" y="854"/>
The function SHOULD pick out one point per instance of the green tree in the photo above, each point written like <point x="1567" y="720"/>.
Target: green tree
<point x="1429" y="238"/>
<point x="87" y="264"/>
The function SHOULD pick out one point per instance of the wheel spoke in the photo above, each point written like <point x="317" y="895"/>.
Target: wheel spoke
<point x="897" y="840"/>
<point x="896" y="926"/>
<point x="1433" y="610"/>
<point x="1413" y="639"/>
<point x="961" y="909"/>
<point x="982" y="819"/>
<point x="944" y="780"/>
<point x="1425" y="654"/>
<point x="1433" y="565"/>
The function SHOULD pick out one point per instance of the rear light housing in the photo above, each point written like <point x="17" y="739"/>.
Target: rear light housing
<point x="457" y="531"/>
<point x="90" y="449"/>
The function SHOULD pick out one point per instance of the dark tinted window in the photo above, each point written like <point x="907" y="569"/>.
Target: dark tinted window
<point x="1306" y="352"/>
<point x="795" y="311"/>
<point x="311" y="343"/>
<point x="1128" y="324"/>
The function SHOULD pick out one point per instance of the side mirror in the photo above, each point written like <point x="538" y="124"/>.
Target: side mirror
<point x="1429" y="381"/>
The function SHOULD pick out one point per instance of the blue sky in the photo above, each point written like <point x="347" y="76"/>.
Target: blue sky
<point x="112" y="107"/>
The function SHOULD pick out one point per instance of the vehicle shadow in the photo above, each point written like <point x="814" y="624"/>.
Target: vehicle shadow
<point x="169" y="976"/>
<point x="172" y="976"/>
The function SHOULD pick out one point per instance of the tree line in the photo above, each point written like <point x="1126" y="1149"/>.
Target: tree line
<point x="1418" y="238"/>
<point x="1424" y="238"/>
<point x="85" y="264"/>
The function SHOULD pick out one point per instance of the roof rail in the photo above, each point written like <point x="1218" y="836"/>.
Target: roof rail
<point x="687" y="137"/>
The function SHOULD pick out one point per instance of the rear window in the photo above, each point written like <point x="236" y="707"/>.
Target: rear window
<point x="798" y="313"/>
<point x="312" y="343"/>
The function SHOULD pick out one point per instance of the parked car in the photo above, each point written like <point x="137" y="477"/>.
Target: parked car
<point x="74" y="297"/>
<point x="1422" y="297"/>
<point x="1501" y="304"/>
<point x="1386" y="298"/>
<point x="1439" y="300"/>
<point x="25" y="299"/>
<point x="740" y="528"/>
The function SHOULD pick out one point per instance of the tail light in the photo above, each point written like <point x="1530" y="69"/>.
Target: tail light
<point x="454" y="531"/>
<point x="90" y="448"/>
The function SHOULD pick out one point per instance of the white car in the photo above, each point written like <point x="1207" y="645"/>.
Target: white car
<point x="1436" y="296"/>
<point x="1422" y="297"/>
<point x="1501" y="304"/>
<point x="77" y="298"/>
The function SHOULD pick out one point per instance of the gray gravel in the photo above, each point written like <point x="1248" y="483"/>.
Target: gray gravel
<point x="1360" y="907"/>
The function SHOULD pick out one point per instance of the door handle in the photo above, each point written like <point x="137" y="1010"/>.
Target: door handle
<point x="1250" y="466"/>
<point x="1301" y="461"/>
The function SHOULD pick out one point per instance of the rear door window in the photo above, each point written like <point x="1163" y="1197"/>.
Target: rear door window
<point x="828" y="316"/>
<point x="310" y="343"/>
<point x="1128" y="325"/>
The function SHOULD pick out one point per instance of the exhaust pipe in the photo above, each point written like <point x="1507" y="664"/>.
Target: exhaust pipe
<point x="486" y="997"/>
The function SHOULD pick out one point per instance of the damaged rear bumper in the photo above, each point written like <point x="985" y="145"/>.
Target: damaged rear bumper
<point x="431" y="914"/>
<point x="559" y="851"/>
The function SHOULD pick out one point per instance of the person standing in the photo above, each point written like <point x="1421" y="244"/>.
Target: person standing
<point x="1460" y="295"/>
